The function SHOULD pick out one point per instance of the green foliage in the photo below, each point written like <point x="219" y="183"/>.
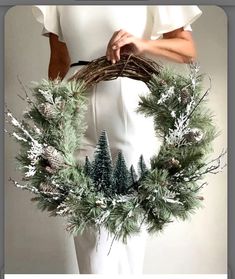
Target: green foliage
<point x="55" y="118"/>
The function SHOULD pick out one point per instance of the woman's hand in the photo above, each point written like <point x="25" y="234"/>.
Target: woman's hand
<point x="123" y="42"/>
<point x="176" y="45"/>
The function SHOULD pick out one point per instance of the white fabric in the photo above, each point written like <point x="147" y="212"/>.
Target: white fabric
<point x="168" y="18"/>
<point x="95" y="256"/>
<point x="48" y="16"/>
<point x="94" y="25"/>
<point x="86" y="31"/>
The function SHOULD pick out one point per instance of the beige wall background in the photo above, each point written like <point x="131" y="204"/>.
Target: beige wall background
<point x="37" y="243"/>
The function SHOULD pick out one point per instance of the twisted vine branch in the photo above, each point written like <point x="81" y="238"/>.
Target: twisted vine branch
<point x="131" y="66"/>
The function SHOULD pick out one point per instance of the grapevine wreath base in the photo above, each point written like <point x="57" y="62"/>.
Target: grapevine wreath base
<point x="100" y="193"/>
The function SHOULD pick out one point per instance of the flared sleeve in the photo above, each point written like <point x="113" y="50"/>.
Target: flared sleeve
<point x="48" y="16"/>
<point x="169" y="18"/>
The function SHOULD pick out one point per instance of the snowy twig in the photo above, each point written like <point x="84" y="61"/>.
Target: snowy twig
<point x="24" y="187"/>
<point x="203" y="96"/>
<point x="206" y="168"/>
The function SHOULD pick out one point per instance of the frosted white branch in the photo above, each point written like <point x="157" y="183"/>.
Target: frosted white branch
<point x="175" y="136"/>
<point x="47" y="95"/>
<point x="31" y="171"/>
<point x="35" y="152"/>
<point x="164" y="96"/>
<point x="16" y="123"/>
<point x="18" y="137"/>
<point x="25" y="187"/>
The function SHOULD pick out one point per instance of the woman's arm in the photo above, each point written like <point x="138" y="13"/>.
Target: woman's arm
<point x="177" y="45"/>
<point x="59" y="58"/>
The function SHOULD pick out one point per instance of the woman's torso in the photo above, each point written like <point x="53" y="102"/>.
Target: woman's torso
<point x="88" y="29"/>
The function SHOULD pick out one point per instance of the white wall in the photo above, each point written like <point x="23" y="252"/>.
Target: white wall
<point x="36" y="243"/>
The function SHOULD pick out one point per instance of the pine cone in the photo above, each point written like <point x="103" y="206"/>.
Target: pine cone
<point x="50" y="170"/>
<point x="172" y="163"/>
<point x="185" y="96"/>
<point x="195" y="135"/>
<point x="47" y="110"/>
<point x="54" y="157"/>
<point x="48" y="188"/>
<point x="162" y="82"/>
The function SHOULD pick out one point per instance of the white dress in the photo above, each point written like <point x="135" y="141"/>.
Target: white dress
<point x="86" y="30"/>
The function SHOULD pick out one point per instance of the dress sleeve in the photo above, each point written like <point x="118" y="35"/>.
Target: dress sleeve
<point x="48" y="16"/>
<point x="169" y="18"/>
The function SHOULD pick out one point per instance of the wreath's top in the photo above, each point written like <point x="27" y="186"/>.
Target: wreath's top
<point x="131" y="66"/>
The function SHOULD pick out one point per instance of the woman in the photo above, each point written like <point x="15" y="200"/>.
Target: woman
<point x="83" y="33"/>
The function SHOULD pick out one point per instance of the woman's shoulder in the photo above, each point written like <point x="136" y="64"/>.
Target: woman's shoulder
<point x="171" y="17"/>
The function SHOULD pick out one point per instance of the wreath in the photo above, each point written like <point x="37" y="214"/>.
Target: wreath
<point x="103" y="193"/>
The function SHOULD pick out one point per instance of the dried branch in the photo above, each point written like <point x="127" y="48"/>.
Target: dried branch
<point x="206" y="168"/>
<point x="28" y="99"/>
